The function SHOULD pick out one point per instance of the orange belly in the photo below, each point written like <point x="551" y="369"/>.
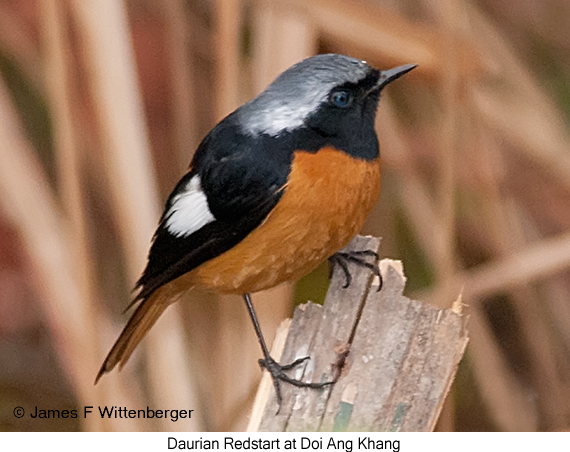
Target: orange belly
<point x="327" y="198"/>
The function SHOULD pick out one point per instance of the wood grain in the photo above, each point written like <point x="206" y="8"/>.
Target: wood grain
<point x="401" y="356"/>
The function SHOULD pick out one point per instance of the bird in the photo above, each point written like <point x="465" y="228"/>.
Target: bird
<point x="277" y="187"/>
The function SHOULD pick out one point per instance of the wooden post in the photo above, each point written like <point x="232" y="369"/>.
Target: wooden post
<point x="396" y="358"/>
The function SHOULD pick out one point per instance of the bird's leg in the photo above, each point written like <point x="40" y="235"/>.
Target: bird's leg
<point x="359" y="258"/>
<point x="276" y="370"/>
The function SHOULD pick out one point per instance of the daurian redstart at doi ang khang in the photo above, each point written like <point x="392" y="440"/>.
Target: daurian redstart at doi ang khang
<point x="278" y="186"/>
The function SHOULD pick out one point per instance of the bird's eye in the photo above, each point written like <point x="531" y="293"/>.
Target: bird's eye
<point x="341" y="98"/>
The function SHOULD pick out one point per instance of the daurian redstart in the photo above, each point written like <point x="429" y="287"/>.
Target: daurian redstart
<point x="277" y="187"/>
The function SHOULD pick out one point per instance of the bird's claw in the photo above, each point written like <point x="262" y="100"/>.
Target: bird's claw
<point x="359" y="258"/>
<point x="277" y="372"/>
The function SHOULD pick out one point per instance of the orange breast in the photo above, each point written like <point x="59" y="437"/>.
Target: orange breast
<point x="327" y="198"/>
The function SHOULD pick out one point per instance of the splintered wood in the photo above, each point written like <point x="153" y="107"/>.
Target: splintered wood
<point x="395" y="358"/>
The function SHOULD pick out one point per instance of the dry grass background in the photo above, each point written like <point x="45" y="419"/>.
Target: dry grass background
<point x="102" y="103"/>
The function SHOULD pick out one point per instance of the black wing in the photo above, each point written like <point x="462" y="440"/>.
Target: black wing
<point x="242" y="178"/>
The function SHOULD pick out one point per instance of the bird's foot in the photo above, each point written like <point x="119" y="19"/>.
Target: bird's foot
<point x="277" y="372"/>
<point x="359" y="258"/>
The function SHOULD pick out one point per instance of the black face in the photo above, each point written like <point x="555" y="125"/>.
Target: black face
<point x="346" y="120"/>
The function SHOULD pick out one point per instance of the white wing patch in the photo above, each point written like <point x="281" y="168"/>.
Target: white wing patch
<point x="189" y="210"/>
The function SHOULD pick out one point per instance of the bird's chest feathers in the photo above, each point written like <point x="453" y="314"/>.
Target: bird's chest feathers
<point x="327" y="197"/>
<point x="331" y="191"/>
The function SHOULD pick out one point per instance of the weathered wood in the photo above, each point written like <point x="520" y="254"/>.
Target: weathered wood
<point x="403" y="355"/>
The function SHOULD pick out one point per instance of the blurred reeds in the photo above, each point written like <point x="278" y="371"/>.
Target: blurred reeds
<point x="102" y="104"/>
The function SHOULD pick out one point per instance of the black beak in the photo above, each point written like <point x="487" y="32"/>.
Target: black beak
<point x="392" y="74"/>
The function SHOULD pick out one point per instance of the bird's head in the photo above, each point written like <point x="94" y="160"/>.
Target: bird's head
<point x="330" y="93"/>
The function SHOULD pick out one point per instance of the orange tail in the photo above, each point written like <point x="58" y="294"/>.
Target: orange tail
<point x="144" y="317"/>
